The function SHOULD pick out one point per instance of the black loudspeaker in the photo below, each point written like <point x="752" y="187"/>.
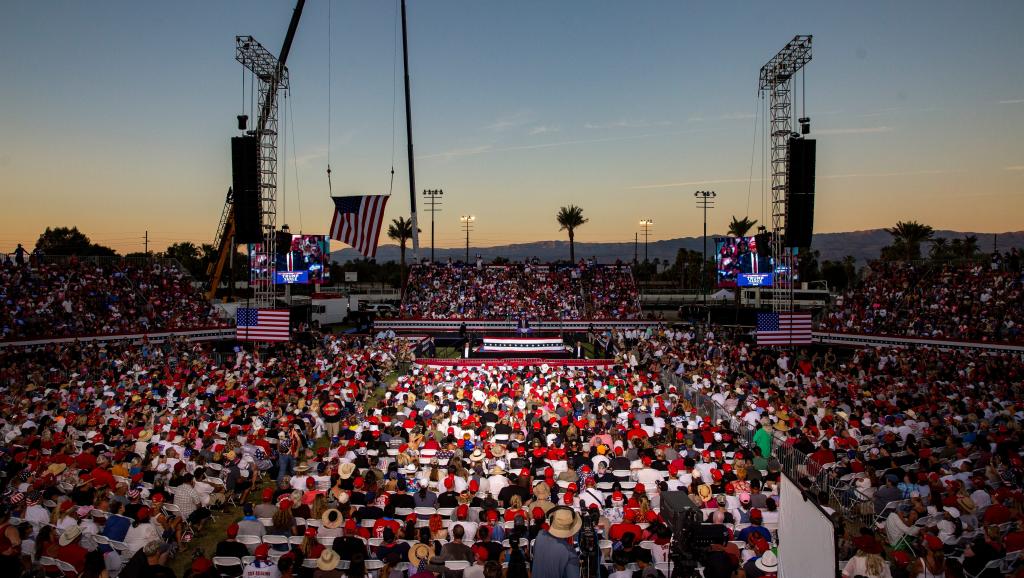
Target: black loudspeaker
<point x="283" y="243"/>
<point x="800" y="203"/>
<point x="245" y="177"/>
<point x="675" y="504"/>
<point x="764" y="244"/>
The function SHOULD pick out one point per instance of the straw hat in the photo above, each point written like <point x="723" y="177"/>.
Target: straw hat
<point x="704" y="491"/>
<point x="564" y="523"/>
<point x="56" y="469"/>
<point x="498" y="450"/>
<point x="476" y="456"/>
<point x="331" y="519"/>
<point x="69" y="535"/>
<point x="328" y="560"/>
<point x="497" y="470"/>
<point x="418" y="554"/>
<point x="346" y="470"/>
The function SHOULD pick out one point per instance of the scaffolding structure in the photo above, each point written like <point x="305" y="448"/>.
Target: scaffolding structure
<point x="273" y="78"/>
<point x="776" y="79"/>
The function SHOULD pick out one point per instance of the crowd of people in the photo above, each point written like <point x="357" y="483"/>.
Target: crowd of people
<point x="964" y="302"/>
<point x="76" y="297"/>
<point x="455" y="291"/>
<point x="115" y="456"/>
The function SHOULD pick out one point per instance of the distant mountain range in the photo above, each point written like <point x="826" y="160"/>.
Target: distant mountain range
<point x="863" y="245"/>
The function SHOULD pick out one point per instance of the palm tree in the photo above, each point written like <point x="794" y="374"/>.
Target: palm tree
<point x="970" y="247"/>
<point x="939" y="249"/>
<point x="740" y="227"/>
<point x="909" y="235"/>
<point x="569" y="218"/>
<point x="400" y="230"/>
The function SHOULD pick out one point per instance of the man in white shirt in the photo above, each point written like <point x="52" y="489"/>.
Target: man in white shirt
<point x="899" y="525"/>
<point x="591" y="495"/>
<point x="497" y="480"/>
<point x="141" y="532"/>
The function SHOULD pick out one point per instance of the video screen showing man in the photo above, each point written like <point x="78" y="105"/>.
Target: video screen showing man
<point x="740" y="263"/>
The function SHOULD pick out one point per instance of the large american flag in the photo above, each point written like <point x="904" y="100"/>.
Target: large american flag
<point x="783" y="328"/>
<point x="253" y="324"/>
<point x="357" y="222"/>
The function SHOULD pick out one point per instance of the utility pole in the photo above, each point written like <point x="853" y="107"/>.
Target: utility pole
<point x="467" y="224"/>
<point x="636" y="242"/>
<point x="646" y="224"/>
<point x="433" y="201"/>
<point x="705" y="201"/>
<point x="146" y="243"/>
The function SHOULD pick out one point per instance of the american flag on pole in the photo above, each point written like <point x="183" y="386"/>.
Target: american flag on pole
<point x="357" y="222"/>
<point x="253" y="324"/>
<point x="783" y="328"/>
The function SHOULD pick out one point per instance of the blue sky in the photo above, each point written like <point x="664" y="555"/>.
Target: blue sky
<point x="116" y="115"/>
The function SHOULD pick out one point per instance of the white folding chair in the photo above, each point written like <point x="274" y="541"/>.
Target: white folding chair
<point x="279" y="543"/>
<point x="455" y="564"/>
<point x="250" y="542"/>
<point x="227" y="564"/>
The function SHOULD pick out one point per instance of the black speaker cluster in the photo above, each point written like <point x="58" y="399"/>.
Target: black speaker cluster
<point x="800" y="202"/>
<point x="245" y="180"/>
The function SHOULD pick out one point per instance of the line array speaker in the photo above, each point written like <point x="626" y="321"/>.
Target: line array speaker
<point x="800" y="202"/>
<point x="245" y="178"/>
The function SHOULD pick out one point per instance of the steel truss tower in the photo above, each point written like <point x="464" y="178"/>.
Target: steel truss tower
<point x="776" y="79"/>
<point x="273" y="78"/>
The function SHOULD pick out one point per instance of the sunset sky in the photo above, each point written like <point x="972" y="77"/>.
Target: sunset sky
<point x="116" y="116"/>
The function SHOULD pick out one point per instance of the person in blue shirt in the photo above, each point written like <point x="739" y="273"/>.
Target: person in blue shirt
<point x="553" y="556"/>
<point x="755" y="526"/>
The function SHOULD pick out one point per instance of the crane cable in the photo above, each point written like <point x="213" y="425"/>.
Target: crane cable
<point x="330" y="51"/>
<point x="394" y="97"/>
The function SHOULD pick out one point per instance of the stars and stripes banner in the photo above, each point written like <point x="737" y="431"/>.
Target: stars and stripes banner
<point x="357" y="222"/>
<point x="253" y="324"/>
<point x="783" y="328"/>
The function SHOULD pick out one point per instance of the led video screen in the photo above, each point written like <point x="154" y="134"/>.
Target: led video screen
<point x="739" y="264"/>
<point x="303" y="259"/>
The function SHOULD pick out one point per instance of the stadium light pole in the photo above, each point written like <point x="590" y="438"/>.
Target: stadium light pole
<point x="646" y="224"/>
<point x="467" y="223"/>
<point x="705" y="201"/>
<point x="433" y="201"/>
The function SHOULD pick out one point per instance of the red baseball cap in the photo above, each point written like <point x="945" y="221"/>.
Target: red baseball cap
<point x="262" y="551"/>
<point x="268" y="494"/>
<point x="462" y="511"/>
<point x="232" y="530"/>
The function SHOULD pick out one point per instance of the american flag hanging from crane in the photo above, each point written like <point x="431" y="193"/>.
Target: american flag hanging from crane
<point x="357" y="222"/>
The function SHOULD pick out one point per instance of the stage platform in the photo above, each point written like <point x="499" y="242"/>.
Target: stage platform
<point x="522" y="343"/>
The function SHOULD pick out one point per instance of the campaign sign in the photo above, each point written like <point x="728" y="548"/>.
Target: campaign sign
<point x="290" y="277"/>
<point x="754" y="279"/>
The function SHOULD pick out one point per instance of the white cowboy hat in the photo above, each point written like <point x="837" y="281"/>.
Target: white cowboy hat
<point x="69" y="535"/>
<point x="768" y="562"/>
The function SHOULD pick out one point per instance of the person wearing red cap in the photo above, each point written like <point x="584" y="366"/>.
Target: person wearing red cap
<point x="142" y="531"/>
<point x="754" y="527"/>
<point x="267" y="508"/>
<point x="230" y="546"/>
<point x="261" y="566"/>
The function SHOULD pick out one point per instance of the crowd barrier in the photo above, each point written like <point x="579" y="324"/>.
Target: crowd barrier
<point x="488" y="325"/>
<point x="207" y="334"/>
<point x="862" y="340"/>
